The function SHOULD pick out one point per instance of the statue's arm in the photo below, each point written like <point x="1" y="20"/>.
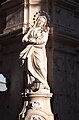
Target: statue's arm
<point x="25" y="38"/>
<point x="43" y="38"/>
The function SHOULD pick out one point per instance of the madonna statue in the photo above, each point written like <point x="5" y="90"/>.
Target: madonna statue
<point x="35" y="52"/>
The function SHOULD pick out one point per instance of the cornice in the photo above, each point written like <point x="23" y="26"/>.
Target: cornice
<point x="9" y="4"/>
<point x="10" y="37"/>
<point x="73" y="40"/>
<point x="67" y="4"/>
<point x="37" y="1"/>
<point x="56" y="35"/>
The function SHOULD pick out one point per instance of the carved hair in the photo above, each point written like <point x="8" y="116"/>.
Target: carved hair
<point x="39" y="19"/>
<point x="41" y="13"/>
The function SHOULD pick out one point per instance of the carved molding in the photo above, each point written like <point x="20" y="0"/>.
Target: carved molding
<point x="38" y="1"/>
<point x="10" y="3"/>
<point x="69" y="38"/>
<point x="67" y="4"/>
<point x="71" y="6"/>
<point x="36" y="117"/>
<point x="36" y="105"/>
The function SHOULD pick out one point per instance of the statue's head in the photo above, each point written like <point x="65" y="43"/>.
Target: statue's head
<point x="41" y="21"/>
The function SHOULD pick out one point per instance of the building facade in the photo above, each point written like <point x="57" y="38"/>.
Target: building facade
<point x="62" y="53"/>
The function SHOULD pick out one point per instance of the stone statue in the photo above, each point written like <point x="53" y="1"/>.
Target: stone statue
<point x="37" y="94"/>
<point x="35" y="52"/>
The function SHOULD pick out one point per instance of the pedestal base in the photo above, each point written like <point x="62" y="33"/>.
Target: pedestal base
<point x="38" y="107"/>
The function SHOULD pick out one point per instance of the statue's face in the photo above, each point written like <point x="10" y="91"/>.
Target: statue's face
<point x="41" y="22"/>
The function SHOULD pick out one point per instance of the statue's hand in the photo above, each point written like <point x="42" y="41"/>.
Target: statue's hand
<point x="25" y="38"/>
<point x="32" y="40"/>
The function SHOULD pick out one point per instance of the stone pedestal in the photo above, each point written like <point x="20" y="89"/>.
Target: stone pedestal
<point x="37" y="107"/>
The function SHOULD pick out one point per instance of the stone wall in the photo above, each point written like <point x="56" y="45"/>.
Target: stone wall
<point x="11" y="100"/>
<point x="65" y="37"/>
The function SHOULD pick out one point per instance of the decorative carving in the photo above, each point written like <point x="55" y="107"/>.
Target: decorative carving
<point x="35" y="105"/>
<point x="36" y="117"/>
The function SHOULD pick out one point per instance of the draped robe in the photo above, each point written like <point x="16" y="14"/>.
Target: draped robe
<point x="35" y="52"/>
